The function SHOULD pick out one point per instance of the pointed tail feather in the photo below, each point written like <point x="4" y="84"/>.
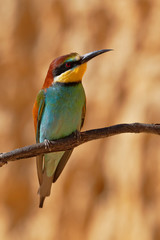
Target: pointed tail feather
<point x="61" y="164"/>
<point x="45" y="188"/>
<point x="41" y="202"/>
<point x="39" y="163"/>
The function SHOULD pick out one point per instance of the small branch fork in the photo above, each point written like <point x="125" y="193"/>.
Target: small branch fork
<point x="75" y="140"/>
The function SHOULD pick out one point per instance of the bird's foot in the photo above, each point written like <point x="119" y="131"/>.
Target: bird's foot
<point x="77" y="134"/>
<point x="47" y="144"/>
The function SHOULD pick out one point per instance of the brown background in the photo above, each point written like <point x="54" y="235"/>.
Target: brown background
<point x="111" y="188"/>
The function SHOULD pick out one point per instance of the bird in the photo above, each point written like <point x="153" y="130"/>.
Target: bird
<point x="58" y="111"/>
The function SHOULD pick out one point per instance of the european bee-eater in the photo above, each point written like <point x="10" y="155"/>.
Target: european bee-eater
<point x="59" y="110"/>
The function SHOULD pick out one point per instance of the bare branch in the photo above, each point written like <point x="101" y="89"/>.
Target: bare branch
<point x="75" y="140"/>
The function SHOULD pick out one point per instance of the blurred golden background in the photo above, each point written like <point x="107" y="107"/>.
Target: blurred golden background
<point x="110" y="189"/>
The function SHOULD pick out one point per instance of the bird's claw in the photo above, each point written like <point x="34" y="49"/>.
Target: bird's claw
<point x="47" y="144"/>
<point x="77" y="134"/>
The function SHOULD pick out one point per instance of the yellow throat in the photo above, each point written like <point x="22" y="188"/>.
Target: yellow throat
<point x="72" y="75"/>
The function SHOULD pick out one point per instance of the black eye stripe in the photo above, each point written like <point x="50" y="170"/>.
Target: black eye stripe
<point x="63" y="67"/>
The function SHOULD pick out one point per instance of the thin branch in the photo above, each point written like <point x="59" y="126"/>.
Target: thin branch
<point x="75" y="140"/>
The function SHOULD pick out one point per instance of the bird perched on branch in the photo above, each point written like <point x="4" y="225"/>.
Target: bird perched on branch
<point x="58" y="111"/>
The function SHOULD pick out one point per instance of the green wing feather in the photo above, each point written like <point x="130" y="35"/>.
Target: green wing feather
<point x="39" y="159"/>
<point x="40" y="104"/>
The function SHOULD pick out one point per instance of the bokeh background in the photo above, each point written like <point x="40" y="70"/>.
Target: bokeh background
<point x="110" y="188"/>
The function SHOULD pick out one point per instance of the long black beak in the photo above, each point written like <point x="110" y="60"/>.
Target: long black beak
<point x="89" y="56"/>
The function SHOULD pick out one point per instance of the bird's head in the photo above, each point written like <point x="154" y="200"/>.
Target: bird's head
<point x="69" y="68"/>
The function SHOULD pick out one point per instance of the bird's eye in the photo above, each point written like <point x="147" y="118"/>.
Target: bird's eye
<point x="68" y="65"/>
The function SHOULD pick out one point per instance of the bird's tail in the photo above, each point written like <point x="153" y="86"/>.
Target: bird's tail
<point x="41" y="202"/>
<point x="45" y="188"/>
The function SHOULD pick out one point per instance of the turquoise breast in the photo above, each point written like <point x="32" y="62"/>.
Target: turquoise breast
<point x="62" y="112"/>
